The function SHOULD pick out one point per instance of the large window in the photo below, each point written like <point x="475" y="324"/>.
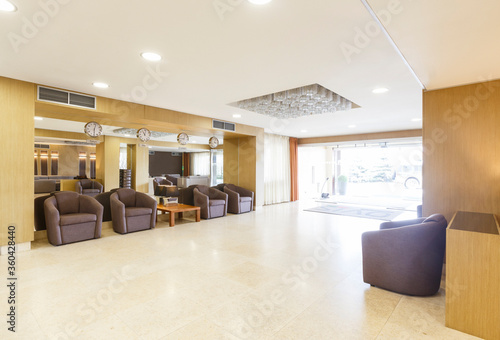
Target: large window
<point x="387" y="173"/>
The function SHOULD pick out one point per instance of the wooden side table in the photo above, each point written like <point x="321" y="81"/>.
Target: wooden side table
<point x="173" y="208"/>
<point x="473" y="274"/>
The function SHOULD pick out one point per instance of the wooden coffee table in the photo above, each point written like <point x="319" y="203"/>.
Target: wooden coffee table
<point x="173" y="208"/>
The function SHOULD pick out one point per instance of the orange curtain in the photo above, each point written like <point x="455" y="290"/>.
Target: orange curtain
<point x="294" y="186"/>
<point x="185" y="164"/>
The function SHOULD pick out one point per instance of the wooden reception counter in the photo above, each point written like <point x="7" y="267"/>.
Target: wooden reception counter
<point x="473" y="274"/>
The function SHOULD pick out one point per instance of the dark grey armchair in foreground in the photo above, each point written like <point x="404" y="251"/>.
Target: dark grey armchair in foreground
<point x="212" y="202"/>
<point x="406" y="256"/>
<point x="71" y="217"/>
<point x="132" y="211"/>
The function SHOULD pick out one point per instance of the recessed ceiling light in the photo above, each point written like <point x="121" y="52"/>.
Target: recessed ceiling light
<point x="303" y="131"/>
<point x="416" y="119"/>
<point x="38" y="118"/>
<point x="351" y="126"/>
<point x="151" y="56"/>
<point x="259" y="2"/>
<point x="380" y="90"/>
<point x="101" y="85"/>
<point x="7" y="6"/>
<point x="236" y="115"/>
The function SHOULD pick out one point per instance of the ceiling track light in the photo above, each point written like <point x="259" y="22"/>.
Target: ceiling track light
<point x="151" y="56"/>
<point x="7" y="6"/>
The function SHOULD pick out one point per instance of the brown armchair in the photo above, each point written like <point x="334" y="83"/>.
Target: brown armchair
<point x="71" y="217"/>
<point x="406" y="256"/>
<point x="212" y="202"/>
<point x="240" y="200"/>
<point x="160" y="186"/>
<point x="132" y="211"/>
<point x="88" y="187"/>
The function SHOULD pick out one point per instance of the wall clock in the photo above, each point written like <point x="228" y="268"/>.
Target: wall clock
<point x="182" y="138"/>
<point x="213" y="142"/>
<point x="93" y="129"/>
<point x="144" y="134"/>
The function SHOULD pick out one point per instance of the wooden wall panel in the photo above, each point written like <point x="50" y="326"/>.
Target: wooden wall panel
<point x="140" y="168"/>
<point x="16" y="168"/>
<point x="231" y="160"/>
<point x="108" y="162"/>
<point x="461" y="144"/>
<point x="247" y="163"/>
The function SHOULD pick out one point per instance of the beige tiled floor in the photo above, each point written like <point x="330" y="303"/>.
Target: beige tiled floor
<point x="277" y="273"/>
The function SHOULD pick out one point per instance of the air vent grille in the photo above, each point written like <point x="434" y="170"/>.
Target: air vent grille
<point x="65" y="97"/>
<point x="217" y="124"/>
<point x="42" y="146"/>
<point x="52" y="95"/>
<point x="80" y="100"/>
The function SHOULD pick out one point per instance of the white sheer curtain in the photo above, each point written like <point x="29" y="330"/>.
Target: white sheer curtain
<point x="276" y="169"/>
<point x="200" y="163"/>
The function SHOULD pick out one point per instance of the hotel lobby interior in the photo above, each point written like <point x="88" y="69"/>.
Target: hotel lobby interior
<point x="100" y="87"/>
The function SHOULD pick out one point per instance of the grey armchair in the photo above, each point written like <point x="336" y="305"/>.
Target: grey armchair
<point x="160" y="186"/>
<point x="212" y="202"/>
<point x="406" y="256"/>
<point x="71" y="217"/>
<point x="88" y="187"/>
<point x="132" y="211"/>
<point x="240" y="200"/>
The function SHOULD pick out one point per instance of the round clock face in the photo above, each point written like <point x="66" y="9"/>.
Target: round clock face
<point x="93" y="129"/>
<point x="183" y="138"/>
<point x="213" y="142"/>
<point x="143" y="134"/>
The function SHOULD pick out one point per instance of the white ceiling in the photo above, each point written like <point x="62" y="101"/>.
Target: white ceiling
<point x="211" y="60"/>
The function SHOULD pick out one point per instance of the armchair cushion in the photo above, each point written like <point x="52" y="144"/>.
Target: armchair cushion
<point x="77" y="218"/>
<point x="133" y="211"/>
<point x="68" y="202"/>
<point x="127" y="197"/>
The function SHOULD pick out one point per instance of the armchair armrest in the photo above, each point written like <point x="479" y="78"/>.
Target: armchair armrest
<point x="245" y="192"/>
<point x="78" y="187"/>
<point x="217" y="194"/>
<point x="146" y="201"/>
<point x="97" y="185"/>
<point x="233" y="200"/>
<point x="117" y="213"/>
<point x="398" y="224"/>
<point x="52" y="220"/>
<point x="200" y="199"/>
<point x="90" y="205"/>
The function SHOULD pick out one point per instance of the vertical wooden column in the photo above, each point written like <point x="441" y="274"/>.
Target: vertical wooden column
<point x="140" y="168"/>
<point x="108" y="162"/>
<point x="16" y="166"/>
<point x="244" y="164"/>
